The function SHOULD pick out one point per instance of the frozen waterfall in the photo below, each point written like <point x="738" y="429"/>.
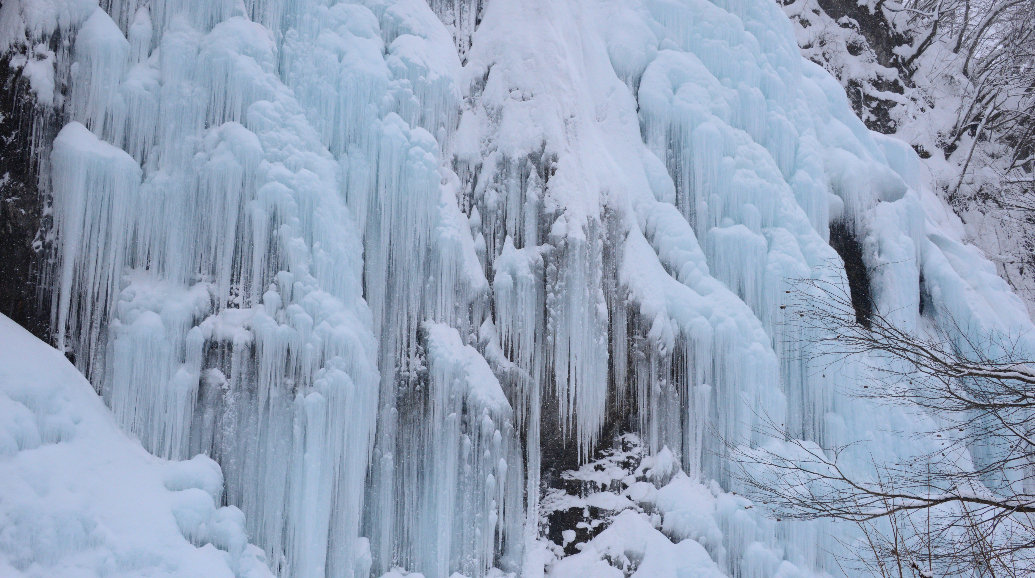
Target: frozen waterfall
<point x="393" y="265"/>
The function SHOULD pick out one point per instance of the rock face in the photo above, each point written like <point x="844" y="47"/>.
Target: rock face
<point x="857" y="44"/>
<point x="23" y="296"/>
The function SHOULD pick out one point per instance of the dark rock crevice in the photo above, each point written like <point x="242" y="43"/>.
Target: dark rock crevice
<point x="872" y="24"/>
<point x="23" y="216"/>
<point x="843" y="240"/>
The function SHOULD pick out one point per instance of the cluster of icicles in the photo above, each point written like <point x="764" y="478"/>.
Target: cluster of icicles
<point x="361" y="253"/>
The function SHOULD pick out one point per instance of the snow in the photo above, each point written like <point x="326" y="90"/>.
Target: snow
<point x="22" y="20"/>
<point x="633" y="545"/>
<point x="80" y="498"/>
<point x="355" y="251"/>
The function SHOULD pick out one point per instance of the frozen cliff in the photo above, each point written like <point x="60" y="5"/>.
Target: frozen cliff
<point x="402" y="270"/>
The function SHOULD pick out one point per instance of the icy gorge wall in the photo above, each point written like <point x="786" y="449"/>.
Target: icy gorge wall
<point x="396" y="267"/>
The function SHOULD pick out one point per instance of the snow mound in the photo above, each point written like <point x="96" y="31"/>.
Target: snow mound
<point x="79" y="498"/>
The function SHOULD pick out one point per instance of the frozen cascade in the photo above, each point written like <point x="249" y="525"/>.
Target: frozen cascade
<point x="394" y="264"/>
<point x="220" y="307"/>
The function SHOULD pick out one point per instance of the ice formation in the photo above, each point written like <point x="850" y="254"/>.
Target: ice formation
<point x="385" y="261"/>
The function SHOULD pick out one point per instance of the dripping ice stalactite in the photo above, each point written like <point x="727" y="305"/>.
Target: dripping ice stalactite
<point x="477" y="490"/>
<point x="393" y="266"/>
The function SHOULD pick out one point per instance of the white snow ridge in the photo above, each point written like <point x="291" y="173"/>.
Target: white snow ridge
<point x="371" y="279"/>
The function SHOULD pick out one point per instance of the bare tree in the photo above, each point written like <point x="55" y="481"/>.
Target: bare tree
<point x="966" y="508"/>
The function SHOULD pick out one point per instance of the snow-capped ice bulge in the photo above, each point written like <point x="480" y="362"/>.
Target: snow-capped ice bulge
<point x="385" y="261"/>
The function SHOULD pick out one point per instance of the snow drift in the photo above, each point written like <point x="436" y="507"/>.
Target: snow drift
<point x="82" y="499"/>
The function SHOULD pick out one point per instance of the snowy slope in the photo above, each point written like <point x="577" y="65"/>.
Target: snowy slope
<point x="79" y="498"/>
<point x="398" y="267"/>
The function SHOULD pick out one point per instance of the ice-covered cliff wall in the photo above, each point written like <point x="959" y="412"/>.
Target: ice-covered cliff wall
<point x="396" y="266"/>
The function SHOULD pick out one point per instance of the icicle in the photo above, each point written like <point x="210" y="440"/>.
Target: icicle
<point x="480" y="451"/>
<point x="221" y="297"/>
<point x="95" y="188"/>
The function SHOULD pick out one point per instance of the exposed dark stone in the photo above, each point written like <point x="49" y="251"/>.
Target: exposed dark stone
<point x="880" y="38"/>
<point x="843" y="240"/>
<point x="562" y="507"/>
<point x="872" y="25"/>
<point x="925" y="296"/>
<point x="921" y="151"/>
<point x="22" y="247"/>
<point x="587" y="523"/>
<point x="874" y="112"/>
<point x="559" y="450"/>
